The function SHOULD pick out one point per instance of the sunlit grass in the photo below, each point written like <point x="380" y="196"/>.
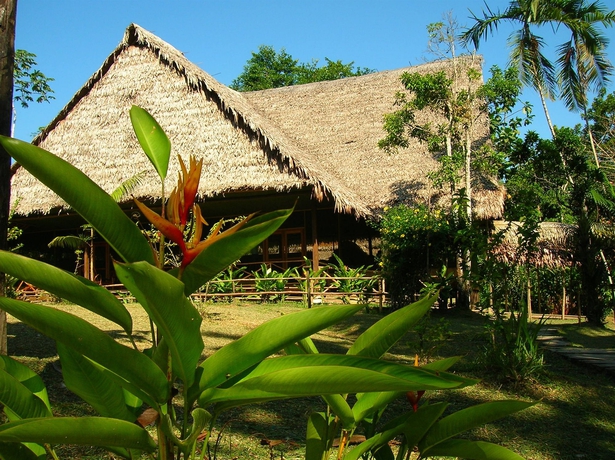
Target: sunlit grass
<point x="574" y="417"/>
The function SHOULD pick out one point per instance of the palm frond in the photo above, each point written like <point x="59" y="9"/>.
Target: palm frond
<point x="68" y="241"/>
<point x="127" y="187"/>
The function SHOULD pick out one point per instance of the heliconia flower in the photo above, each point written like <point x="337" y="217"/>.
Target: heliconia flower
<point x="180" y="203"/>
<point x="165" y="227"/>
<point x="414" y="399"/>
<point x="188" y="186"/>
<point x="191" y="253"/>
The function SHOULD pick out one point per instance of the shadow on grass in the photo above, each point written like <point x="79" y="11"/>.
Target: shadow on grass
<point x="25" y="341"/>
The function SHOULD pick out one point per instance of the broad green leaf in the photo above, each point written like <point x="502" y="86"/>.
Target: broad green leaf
<point x="472" y="450"/>
<point x="381" y="336"/>
<point x="467" y="419"/>
<point x="92" y="431"/>
<point x="267" y="339"/>
<point x="311" y="375"/>
<point x="152" y="138"/>
<point x="321" y="430"/>
<point x="17" y="451"/>
<point x="414" y="424"/>
<point x="67" y="286"/>
<point x="85" y="197"/>
<point x="384" y="453"/>
<point x="220" y="254"/>
<point x="200" y="419"/>
<point x="422" y="420"/>
<point x="162" y="296"/>
<point x="21" y="401"/>
<point x="27" y="377"/>
<point x="93" y="386"/>
<point x="442" y="364"/>
<point x="369" y="403"/>
<point x="341" y="408"/>
<point x="90" y="341"/>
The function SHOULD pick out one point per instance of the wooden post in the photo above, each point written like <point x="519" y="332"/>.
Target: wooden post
<point x="579" y="305"/>
<point x="308" y="287"/>
<point x="8" y="13"/>
<point x="564" y="301"/>
<point x="529" y="296"/>
<point x="380" y="293"/>
<point x="315" y="249"/>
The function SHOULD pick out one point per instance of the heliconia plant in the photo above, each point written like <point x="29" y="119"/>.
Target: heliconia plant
<point x="125" y="383"/>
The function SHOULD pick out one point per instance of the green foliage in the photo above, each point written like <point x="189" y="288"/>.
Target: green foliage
<point x="186" y="392"/>
<point x="421" y="426"/>
<point x="513" y="351"/>
<point x="412" y="241"/>
<point x="431" y="335"/>
<point x="268" y="68"/>
<point x="223" y="281"/>
<point x="349" y="279"/>
<point x="575" y="191"/>
<point x="267" y="280"/>
<point x="31" y="85"/>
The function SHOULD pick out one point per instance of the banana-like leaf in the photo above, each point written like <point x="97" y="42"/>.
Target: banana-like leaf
<point x="220" y="254"/>
<point x="27" y="377"/>
<point x="152" y="138"/>
<point x="340" y="407"/>
<point x="67" y="286"/>
<point x="267" y="339"/>
<point x="369" y="403"/>
<point x="131" y="365"/>
<point x="92" y="431"/>
<point x="17" y="451"/>
<point x="472" y="450"/>
<point x="162" y="296"/>
<point x="319" y="436"/>
<point x="381" y="336"/>
<point x="85" y="197"/>
<point x="93" y="386"/>
<point x="467" y="419"/>
<point x="384" y="453"/>
<point x="442" y="364"/>
<point x="21" y="402"/>
<point x="311" y="375"/>
<point x="415" y="424"/>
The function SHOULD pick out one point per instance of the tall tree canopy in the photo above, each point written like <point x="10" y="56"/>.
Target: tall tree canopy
<point x="269" y="68"/>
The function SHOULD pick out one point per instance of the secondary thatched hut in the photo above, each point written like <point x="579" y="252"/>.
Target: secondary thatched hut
<point x="314" y="143"/>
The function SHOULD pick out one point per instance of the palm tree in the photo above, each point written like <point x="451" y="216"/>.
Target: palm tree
<point x="582" y="60"/>
<point x="535" y="69"/>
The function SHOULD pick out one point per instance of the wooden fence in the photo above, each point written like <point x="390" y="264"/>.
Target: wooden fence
<point x="310" y="290"/>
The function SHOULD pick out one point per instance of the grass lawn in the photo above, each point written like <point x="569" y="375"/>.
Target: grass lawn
<point x="574" y="417"/>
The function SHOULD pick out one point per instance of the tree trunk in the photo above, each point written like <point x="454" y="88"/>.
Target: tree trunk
<point x="8" y="10"/>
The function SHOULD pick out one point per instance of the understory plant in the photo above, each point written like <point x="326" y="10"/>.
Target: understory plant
<point x="176" y="386"/>
<point x="268" y="281"/>
<point x="513" y="350"/>
<point x="349" y="279"/>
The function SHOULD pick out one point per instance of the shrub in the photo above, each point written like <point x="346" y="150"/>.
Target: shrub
<point x="412" y="241"/>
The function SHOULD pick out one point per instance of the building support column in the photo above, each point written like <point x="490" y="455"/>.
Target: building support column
<point x="315" y="253"/>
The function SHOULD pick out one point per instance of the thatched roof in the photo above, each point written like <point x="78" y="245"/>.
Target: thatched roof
<point x="554" y="245"/>
<point x="323" y="135"/>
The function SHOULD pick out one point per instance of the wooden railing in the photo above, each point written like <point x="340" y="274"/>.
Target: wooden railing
<point x="310" y="290"/>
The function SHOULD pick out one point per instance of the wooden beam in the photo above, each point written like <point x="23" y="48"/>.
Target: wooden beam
<point x="315" y="253"/>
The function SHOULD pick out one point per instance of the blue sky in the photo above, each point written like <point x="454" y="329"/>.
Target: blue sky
<point x="72" y="38"/>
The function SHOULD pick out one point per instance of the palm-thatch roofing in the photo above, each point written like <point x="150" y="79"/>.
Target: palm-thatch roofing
<point x="553" y="247"/>
<point x="321" y="135"/>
